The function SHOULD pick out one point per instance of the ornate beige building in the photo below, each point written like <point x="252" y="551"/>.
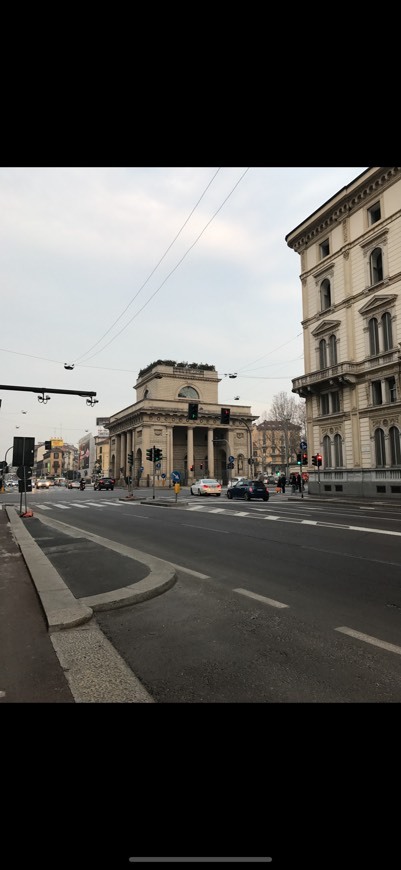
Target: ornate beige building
<point x="275" y="446"/>
<point x="160" y="418"/>
<point x="350" y="257"/>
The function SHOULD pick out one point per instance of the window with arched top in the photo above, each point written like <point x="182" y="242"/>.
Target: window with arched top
<point x="325" y="294"/>
<point x="146" y="394"/>
<point x="387" y="333"/>
<point x="322" y="353"/>
<point x="394" y="436"/>
<point x="188" y="393"/>
<point x="338" y="451"/>
<point x="333" y="350"/>
<point x="373" y="336"/>
<point x="376" y="266"/>
<point x="380" y="448"/>
<point x="327" y="451"/>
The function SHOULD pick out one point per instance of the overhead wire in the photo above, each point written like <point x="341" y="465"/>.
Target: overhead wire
<point x="152" y="272"/>
<point x="170" y="273"/>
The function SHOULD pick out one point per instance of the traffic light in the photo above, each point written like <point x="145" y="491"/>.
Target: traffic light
<point x="201" y="466"/>
<point x="314" y="460"/>
<point x="130" y="459"/>
<point x="304" y="459"/>
<point x="158" y="454"/>
<point x="48" y="445"/>
<point x="191" y="468"/>
<point x="318" y="459"/>
<point x="225" y="416"/>
<point x="193" y="411"/>
<point x="299" y="458"/>
<point x="149" y="454"/>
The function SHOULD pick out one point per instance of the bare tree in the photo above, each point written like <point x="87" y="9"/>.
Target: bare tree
<point x="283" y="408"/>
<point x="290" y="412"/>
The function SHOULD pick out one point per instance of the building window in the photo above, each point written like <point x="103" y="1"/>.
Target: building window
<point x="376" y="266"/>
<point x="380" y="448"/>
<point x="338" y="451"/>
<point x="387" y="331"/>
<point x="373" y="336"/>
<point x="374" y="213"/>
<point x="333" y="350"/>
<point x="377" y="393"/>
<point x="325" y="295"/>
<point x="335" y="402"/>
<point x="322" y="354"/>
<point x="391" y="389"/>
<point x="324" y="403"/>
<point x="188" y="393"/>
<point x="327" y="451"/>
<point x="324" y="249"/>
<point x="395" y="445"/>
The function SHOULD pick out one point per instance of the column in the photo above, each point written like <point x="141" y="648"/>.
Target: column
<point x="210" y="452"/>
<point x="190" y="452"/>
<point x="123" y="458"/>
<point x="117" y="461"/>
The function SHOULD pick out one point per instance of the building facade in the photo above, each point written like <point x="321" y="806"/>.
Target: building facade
<point x="192" y="448"/>
<point x="350" y="257"/>
<point x="275" y="446"/>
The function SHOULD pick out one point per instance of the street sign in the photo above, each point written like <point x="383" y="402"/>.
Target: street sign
<point x="141" y="468"/>
<point x="303" y="445"/>
<point x="163" y="476"/>
<point x="158" y="465"/>
<point x="231" y="458"/>
<point x="24" y="471"/>
<point x="175" y="476"/>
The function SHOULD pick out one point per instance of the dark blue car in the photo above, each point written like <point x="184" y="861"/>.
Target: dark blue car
<point x="248" y="489"/>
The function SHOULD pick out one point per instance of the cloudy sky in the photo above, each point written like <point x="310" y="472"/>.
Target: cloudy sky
<point x="112" y="268"/>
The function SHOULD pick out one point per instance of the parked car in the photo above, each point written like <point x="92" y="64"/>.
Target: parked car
<point x="42" y="483"/>
<point x="248" y="489"/>
<point x="206" y="486"/>
<point x="235" y="480"/>
<point x="104" y="483"/>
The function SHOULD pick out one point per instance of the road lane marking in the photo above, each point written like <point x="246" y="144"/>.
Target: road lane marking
<point x="63" y="507"/>
<point x="262" y="598"/>
<point x="391" y="647"/>
<point x="375" y="531"/>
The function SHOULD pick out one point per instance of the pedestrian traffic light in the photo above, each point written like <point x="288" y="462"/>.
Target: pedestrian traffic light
<point x="314" y="460"/>
<point x="193" y="411"/>
<point x="158" y="454"/>
<point x="299" y="458"/>
<point x="225" y="416"/>
<point x="149" y="454"/>
<point x="304" y="459"/>
<point x="319" y="459"/>
<point x="130" y="459"/>
<point x="201" y="466"/>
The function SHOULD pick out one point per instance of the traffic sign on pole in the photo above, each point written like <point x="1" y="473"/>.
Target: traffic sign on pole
<point x="303" y="445"/>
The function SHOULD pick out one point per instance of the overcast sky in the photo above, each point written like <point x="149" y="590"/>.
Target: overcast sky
<point x="112" y="268"/>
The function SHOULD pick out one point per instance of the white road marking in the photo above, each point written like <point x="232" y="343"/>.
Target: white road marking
<point x="391" y="647"/>
<point x="375" y="531"/>
<point x="42" y="507"/>
<point x="63" y="507"/>
<point x="217" y="511"/>
<point x="189" y="571"/>
<point x="262" y="598"/>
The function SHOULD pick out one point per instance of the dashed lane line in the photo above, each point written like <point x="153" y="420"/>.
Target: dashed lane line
<point x="262" y="598"/>
<point x="367" y="638"/>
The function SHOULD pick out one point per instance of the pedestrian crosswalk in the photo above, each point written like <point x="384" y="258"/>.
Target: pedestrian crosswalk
<point x="48" y="506"/>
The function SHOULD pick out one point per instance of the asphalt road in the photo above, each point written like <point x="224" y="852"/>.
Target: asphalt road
<point x="288" y="601"/>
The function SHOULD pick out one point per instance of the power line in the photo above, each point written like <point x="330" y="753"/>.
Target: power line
<point x="170" y="273"/>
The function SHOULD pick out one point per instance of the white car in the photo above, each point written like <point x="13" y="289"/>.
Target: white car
<point x="42" y="483"/>
<point x="235" y="480"/>
<point x="206" y="486"/>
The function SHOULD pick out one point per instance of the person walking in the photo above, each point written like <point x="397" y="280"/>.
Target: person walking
<point x="282" y="483"/>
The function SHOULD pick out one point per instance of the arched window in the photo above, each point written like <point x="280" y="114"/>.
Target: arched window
<point x="333" y="350"/>
<point x="395" y="445"/>
<point x="380" y="448"/>
<point x="188" y="393"/>
<point x="325" y="294"/>
<point x="387" y="331"/>
<point x="373" y="336"/>
<point x="322" y="354"/>
<point x="338" y="451"/>
<point x="327" y="451"/>
<point x="376" y="266"/>
<point x="146" y="394"/>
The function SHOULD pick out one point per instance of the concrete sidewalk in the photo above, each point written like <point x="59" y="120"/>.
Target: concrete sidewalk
<point x="51" y="648"/>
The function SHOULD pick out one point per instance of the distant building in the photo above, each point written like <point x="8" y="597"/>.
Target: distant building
<point x="350" y="256"/>
<point x="275" y="446"/>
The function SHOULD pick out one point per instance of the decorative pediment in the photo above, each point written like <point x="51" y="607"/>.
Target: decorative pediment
<point x="377" y="303"/>
<point x="326" y="326"/>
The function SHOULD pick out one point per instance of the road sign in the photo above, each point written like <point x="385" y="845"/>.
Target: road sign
<point x="24" y="471"/>
<point x="303" y="445"/>
<point x="175" y="476"/>
<point x="163" y="476"/>
<point x="158" y="465"/>
<point x="141" y="468"/>
<point x="231" y="458"/>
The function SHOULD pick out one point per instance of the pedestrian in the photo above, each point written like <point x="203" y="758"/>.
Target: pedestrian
<point x="299" y="482"/>
<point x="282" y="483"/>
<point x="278" y="485"/>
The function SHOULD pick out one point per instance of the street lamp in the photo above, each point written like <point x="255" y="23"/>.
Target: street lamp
<point x="250" y="441"/>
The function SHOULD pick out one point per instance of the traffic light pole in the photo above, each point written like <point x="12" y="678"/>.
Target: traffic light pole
<point x="154" y="469"/>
